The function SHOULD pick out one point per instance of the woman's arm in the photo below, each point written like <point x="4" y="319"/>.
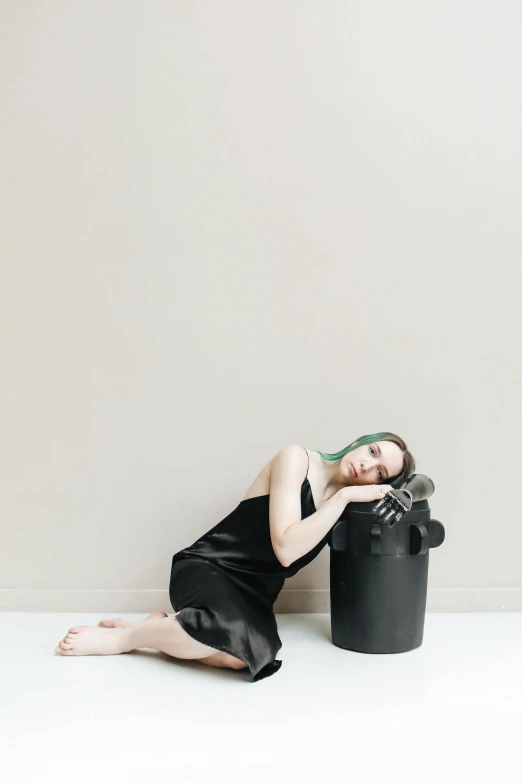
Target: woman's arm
<point x="300" y="537"/>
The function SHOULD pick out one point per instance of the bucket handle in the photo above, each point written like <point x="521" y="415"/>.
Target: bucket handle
<point x="419" y="539"/>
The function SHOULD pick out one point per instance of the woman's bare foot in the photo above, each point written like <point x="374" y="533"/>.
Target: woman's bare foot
<point x="108" y="639"/>
<point x="88" y="640"/>
<point x="119" y="622"/>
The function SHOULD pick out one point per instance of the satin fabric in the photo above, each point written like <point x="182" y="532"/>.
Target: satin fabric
<point x="223" y="586"/>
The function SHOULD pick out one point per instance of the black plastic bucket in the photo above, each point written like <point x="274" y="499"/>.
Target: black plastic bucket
<point x="379" y="578"/>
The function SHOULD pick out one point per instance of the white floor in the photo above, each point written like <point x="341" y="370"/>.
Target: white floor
<point x="453" y="707"/>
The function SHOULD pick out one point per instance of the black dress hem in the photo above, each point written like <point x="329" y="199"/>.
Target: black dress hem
<point x="265" y="671"/>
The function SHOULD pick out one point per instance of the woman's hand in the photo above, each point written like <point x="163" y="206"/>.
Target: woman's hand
<point x="365" y="493"/>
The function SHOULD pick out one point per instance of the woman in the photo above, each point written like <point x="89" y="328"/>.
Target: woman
<point x="223" y="586"/>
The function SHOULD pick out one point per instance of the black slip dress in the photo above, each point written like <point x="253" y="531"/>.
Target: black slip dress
<point x="223" y="587"/>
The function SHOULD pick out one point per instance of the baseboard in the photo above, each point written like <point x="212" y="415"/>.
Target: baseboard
<point x="440" y="599"/>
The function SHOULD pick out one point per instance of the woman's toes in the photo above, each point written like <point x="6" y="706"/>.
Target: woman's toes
<point x="119" y="622"/>
<point x="116" y="622"/>
<point x="64" y="645"/>
<point x="155" y="615"/>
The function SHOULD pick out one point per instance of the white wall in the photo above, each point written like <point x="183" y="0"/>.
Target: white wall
<point x="232" y="226"/>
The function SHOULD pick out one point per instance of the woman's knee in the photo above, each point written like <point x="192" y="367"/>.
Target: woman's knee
<point x="234" y="663"/>
<point x="223" y="661"/>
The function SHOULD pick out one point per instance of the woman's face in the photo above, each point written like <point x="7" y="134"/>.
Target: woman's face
<point x="376" y="463"/>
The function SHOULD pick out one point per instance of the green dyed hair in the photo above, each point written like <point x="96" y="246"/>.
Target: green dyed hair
<point x="409" y="462"/>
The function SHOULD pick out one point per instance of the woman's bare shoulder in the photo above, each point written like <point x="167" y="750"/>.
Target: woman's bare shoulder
<point x="261" y="483"/>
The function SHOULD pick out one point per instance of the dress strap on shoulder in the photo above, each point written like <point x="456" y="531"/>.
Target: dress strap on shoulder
<point x="307" y="454"/>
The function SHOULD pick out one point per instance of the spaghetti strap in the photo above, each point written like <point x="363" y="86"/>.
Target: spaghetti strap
<point x="307" y="454"/>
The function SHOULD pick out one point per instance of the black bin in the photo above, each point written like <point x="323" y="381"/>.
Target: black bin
<point x="379" y="578"/>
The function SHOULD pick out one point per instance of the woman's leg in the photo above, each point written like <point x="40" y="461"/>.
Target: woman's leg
<point x="223" y="661"/>
<point x="167" y="635"/>
<point x="161" y="633"/>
